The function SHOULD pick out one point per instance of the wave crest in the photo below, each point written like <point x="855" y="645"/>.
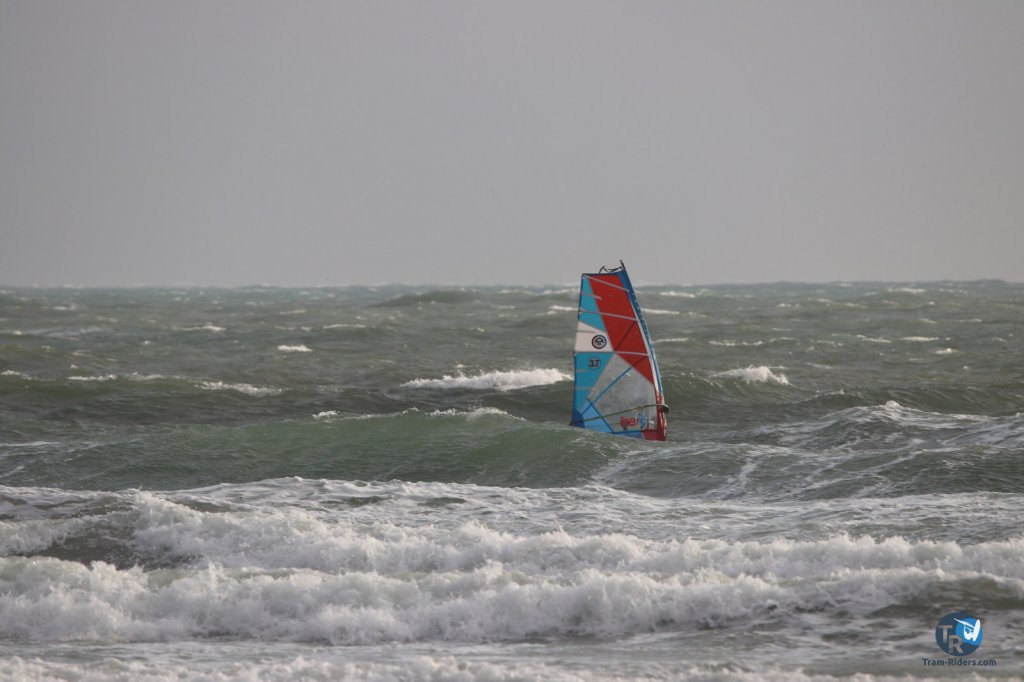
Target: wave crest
<point x="754" y="375"/>
<point x="247" y="389"/>
<point x="295" y="575"/>
<point x="499" y="381"/>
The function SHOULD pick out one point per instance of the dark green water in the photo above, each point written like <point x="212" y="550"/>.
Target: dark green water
<point x="380" y="483"/>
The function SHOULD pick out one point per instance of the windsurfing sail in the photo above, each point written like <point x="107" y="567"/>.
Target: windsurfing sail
<point x="617" y="386"/>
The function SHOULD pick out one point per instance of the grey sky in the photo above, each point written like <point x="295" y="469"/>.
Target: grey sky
<point x="229" y="143"/>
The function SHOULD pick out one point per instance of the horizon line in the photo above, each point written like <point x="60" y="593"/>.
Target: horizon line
<point x="569" y="283"/>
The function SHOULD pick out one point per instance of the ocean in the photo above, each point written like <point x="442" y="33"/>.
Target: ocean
<point x="380" y="483"/>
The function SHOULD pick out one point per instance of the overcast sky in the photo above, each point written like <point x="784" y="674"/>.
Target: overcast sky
<point x="315" y="143"/>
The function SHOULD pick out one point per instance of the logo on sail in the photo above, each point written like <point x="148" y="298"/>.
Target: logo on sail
<point x="599" y="341"/>
<point x="639" y="421"/>
<point x="958" y="633"/>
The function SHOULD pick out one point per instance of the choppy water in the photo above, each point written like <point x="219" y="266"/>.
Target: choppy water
<point x="379" y="483"/>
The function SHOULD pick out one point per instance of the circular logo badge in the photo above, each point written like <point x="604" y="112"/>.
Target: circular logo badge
<point x="958" y="633"/>
<point x="599" y="341"/>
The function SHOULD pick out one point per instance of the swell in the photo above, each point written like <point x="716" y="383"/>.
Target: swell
<point x="485" y="446"/>
<point x="880" y="451"/>
<point x="698" y="396"/>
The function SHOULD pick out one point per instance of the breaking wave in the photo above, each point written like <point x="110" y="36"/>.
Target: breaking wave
<point x="754" y="375"/>
<point x="247" y="389"/>
<point x="216" y="566"/>
<point x="299" y="348"/>
<point x="500" y="381"/>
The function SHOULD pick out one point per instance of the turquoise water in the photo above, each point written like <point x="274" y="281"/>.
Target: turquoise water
<point x="380" y="483"/>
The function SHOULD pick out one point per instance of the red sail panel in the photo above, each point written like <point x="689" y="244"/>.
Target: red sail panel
<point x="620" y="320"/>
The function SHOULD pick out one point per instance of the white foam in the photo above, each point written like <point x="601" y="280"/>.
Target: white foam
<point x="248" y="389"/>
<point x="677" y="294"/>
<point x="134" y="376"/>
<point x="472" y="415"/>
<point x="292" y="574"/>
<point x="752" y="375"/>
<point x="232" y="661"/>
<point x="659" y="311"/>
<point x="12" y="373"/>
<point x="894" y="411"/>
<point x="1007" y="432"/>
<point x="562" y="308"/>
<point x="945" y="351"/>
<point x="300" y="348"/>
<point x="326" y="414"/>
<point x="732" y="344"/>
<point x="208" y="327"/>
<point x="501" y="381"/>
<point x="920" y="339"/>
